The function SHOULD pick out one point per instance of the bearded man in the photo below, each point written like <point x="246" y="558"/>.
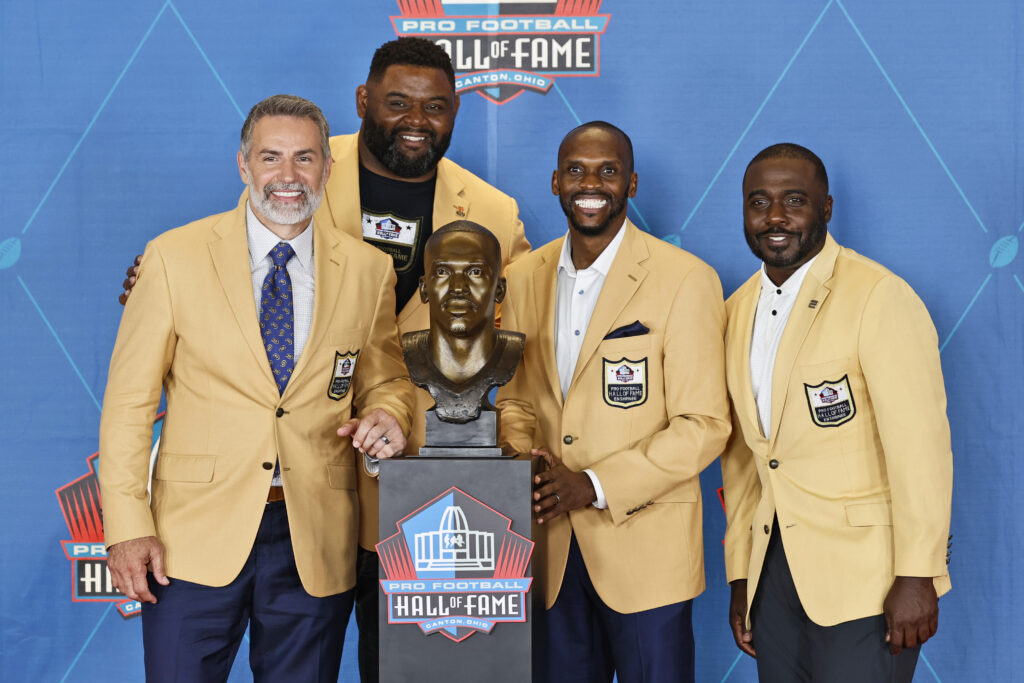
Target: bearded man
<point x="266" y="331"/>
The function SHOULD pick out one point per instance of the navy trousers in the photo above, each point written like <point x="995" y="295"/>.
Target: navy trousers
<point x="367" y="588"/>
<point x="587" y="642"/>
<point x="793" y="649"/>
<point x="193" y="632"/>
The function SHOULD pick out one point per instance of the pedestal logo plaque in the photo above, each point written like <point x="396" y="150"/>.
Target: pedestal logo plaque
<point x="454" y="566"/>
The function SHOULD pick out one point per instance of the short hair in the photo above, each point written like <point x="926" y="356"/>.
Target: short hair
<point x="410" y="51"/>
<point x="605" y="126"/>
<point x="464" y="226"/>
<point x="286" y="105"/>
<point x="791" y="150"/>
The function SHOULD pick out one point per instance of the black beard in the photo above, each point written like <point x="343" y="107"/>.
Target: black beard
<point x="382" y="145"/>
<point x="615" y="207"/>
<point x="805" y="246"/>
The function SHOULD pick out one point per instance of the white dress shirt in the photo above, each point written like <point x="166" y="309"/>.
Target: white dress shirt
<point x="773" y="309"/>
<point x="577" y="294"/>
<point x="300" y="269"/>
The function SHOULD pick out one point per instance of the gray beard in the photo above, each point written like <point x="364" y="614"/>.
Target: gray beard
<point x="264" y="203"/>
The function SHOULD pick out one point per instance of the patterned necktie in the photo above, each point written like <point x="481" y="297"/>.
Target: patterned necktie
<point x="277" y="319"/>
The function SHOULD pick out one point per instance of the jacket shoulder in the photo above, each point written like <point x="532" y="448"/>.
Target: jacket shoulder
<point x="342" y="144"/>
<point x="477" y="187"/>
<point x="678" y="262"/>
<point x="191" y="235"/>
<point x="529" y="262"/>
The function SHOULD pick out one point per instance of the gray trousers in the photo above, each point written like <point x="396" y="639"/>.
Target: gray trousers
<point x="790" y="647"/>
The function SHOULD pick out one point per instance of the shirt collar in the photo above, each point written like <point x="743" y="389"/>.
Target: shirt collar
<point x="262" y="241"/>
<point x="601" y="264"/>
<point x="792" y="284"/>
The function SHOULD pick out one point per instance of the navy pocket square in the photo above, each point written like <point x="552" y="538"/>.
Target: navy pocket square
<point x="634" y="329"/>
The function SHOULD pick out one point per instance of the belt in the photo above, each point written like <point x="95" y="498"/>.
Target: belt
<point x="275" y="494"/>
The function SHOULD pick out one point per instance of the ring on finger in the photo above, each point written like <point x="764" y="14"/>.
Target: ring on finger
<point x="557" y="499"/>
<point x="385" y="439"/>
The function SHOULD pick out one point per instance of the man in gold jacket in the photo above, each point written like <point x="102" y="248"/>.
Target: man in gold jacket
<point x="838" y="474"/>
<point x="391" y="186"/>
<point x="621" y="391"/>
<point x="268" y="332"/>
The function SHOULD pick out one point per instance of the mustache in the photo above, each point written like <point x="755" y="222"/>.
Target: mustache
<point x="430" y="135"/>
<point x="776" y="231"/>
<point x="592" y="193"/>
<point x="286" y="187"/>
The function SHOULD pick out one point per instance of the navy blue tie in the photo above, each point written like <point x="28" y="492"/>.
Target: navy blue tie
<point x="277" y="319"/>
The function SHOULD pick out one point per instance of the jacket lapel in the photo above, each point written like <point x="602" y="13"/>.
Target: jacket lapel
<point x="624" y="278"/>
<point x="545" y="291"/>
<point x="814" y="288"/>
<point x="743" y="319"/>
<point x="329" y="269"/>
<point x="230" y="256"/>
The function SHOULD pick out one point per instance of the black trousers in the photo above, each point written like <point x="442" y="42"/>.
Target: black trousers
<point x="367" y="576"/>
<point x="790" y="647"/>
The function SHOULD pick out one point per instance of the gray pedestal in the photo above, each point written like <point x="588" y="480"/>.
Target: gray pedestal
<point x="456" y="598"/>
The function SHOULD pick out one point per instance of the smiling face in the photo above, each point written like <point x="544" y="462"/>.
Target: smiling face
<point x="408" y="116"/>
<point x="594" y="179"/>
<point x="786" y="211"/>
<point x="462" y="282"/>
<point x="285" y="171"/>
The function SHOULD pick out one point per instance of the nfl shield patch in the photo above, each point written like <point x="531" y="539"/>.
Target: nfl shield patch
<point x="625" y="382"/>
<point x="831" y="402"/>
<point x="341" y="380"/>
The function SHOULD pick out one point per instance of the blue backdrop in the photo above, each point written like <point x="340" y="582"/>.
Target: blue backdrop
<point x="120" y="119"/>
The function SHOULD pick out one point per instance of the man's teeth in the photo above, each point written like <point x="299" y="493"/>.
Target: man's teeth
<point x="591" y="203"/>
<point x="777" y="238"/>
<point x="414" y="138"/>
<point x="288" y="194"/>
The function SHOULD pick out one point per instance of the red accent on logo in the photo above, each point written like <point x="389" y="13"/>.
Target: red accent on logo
<point x="577" y="7"/>
<point x="420" y="8"/>
<point x="80" y="503"/>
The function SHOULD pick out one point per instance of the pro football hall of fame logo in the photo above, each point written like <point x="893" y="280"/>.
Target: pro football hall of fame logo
<point x="83" y="512"/>
<point x="500" y="49"/>
<point x="455" y="567"/>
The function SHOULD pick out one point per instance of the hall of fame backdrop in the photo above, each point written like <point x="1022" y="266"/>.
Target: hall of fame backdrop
<point x="119" y="119"/>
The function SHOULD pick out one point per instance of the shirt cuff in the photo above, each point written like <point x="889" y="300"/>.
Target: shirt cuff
<point x="601" y="503"/>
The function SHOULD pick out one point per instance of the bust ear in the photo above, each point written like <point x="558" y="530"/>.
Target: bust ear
<point x="423" y="289"/>
<point x="499" y="291"/>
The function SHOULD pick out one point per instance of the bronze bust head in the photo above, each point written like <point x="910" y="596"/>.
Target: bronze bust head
<point x="462" y="356"/>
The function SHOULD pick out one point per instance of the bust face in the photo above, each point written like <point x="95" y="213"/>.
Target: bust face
<point x="462" y="282"/>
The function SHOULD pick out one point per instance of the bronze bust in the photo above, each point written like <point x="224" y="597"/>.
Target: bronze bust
<point x="462" y="356"/>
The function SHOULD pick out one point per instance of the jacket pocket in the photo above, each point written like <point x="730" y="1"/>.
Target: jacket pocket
<point x="341" y="477"/>
<point x="869" y="514"/>
<point x="186" y="468"/>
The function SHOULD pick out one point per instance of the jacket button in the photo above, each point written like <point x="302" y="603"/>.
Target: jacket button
<point x="280" y="412"/>
<point x="567" y="440"/>
<point x="766" y="529"/>
<point x="268" y="465"/>
<point x="774" y="464"/>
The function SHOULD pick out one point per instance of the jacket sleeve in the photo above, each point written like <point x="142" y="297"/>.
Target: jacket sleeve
<point x="898" y="350"/>
<point x="742" y="492"/>
<point x="695" y="402"/>
<point x="141" y="360"/>
<point x="383" y="380"/>
<point x="518" y="421"/>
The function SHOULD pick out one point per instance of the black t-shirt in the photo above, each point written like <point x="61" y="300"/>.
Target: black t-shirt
<point x="398" y="219"/>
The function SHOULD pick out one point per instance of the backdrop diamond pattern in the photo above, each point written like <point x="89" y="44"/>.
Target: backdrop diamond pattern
<point x="120" y="120"/>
